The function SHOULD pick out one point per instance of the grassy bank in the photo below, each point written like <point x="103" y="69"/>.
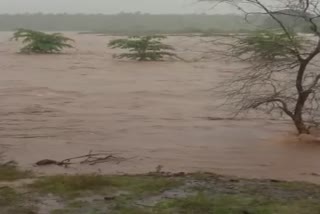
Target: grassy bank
<point x="155" y="193"/>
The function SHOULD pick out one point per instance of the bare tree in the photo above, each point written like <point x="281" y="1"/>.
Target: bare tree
<point x="284" y="73"/>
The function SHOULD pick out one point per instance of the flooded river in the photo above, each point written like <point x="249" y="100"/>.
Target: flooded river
<point x="60" y="106"/>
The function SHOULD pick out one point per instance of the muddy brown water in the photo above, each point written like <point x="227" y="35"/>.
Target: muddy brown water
<point x="59" y="106"/>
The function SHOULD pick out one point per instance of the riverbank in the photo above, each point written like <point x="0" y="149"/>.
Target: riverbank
<point x="152" y="193"/>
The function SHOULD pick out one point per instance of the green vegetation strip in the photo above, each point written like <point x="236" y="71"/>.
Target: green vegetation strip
<point x="11" y="172"/>
<point x="157" y="194"/>
<point x="63" y="185"/>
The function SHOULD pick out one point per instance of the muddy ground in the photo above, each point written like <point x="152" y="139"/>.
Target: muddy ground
<point x="60" y="106"/>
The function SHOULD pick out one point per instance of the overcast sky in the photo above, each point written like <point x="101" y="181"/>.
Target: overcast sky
<point x="105" y="6"/>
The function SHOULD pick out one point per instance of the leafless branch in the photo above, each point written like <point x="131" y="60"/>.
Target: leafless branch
<point x="89" y="159"/>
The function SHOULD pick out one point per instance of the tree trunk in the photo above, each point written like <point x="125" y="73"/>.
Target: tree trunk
<point x="302" y="98"/>
<point x="300" y="125"/>
<point x="297" y="118"/>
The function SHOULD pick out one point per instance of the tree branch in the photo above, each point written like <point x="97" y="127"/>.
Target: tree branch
<point x="283" y="106"/>
<point x="315" y="82"/>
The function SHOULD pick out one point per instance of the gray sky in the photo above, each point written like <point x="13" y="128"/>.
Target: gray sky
<point x="105" y="6"/>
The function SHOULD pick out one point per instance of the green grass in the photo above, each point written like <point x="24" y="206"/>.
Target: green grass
<point x="64" y="211"/>
<point x="74" y="185"/>
<point x="235" y="204"/>
<point x="11" y="172"/>
<point x="221" y="204"/>
<point x="12" y="202"/>
<point x="22" y="210"/>
<point x="145" y="184"/>
<point x="296" y="186"/>
<point x="78" y="204"/>
<point x="132" y="210"/>
<point x="212" y="194"/>
<point x="8" y="196"/>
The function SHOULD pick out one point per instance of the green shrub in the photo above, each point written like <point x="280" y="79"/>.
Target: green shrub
<point x="39" y="42"/>
<point x="144" y="48"/>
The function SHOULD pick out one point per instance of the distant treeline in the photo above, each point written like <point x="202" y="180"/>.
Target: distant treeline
<point x="128" y="23"/>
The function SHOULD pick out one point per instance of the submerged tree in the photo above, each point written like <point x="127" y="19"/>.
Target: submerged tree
<point x="145" y="48"/>
<point x="283" y="76"/>
<point x="43" y="43"/>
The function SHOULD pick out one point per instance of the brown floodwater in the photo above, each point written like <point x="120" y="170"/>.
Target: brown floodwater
<point x="60" y="106"/>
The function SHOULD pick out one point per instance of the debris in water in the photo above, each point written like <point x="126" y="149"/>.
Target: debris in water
<point x="89" y="159"/>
